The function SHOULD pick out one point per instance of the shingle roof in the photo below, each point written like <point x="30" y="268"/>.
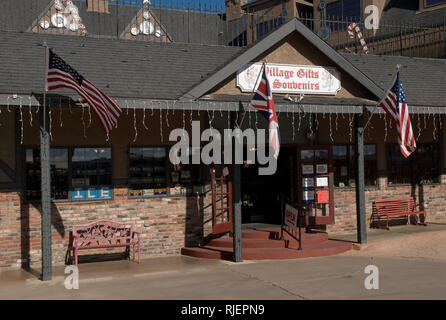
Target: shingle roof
<point x="18" y="15"/>
<point x="404" y="14"/>
<point x="123" y="69"/>
<point x="424" y="80"/>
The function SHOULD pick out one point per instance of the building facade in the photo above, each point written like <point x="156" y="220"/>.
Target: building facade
<point x="162" y="86"/>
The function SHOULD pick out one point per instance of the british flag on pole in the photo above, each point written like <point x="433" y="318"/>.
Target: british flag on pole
<point x="61" y="75"/>
<point x="395" y="105"/>
<point x="263" y="102"/>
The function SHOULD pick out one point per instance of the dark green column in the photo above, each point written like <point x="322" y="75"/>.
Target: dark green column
<point x="46" y="195"/>
<point x="360" y="187"/>
<point x="236" y="205"/>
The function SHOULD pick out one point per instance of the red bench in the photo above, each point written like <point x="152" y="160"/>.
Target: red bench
<point x="105" y="234"/>
<point x="396" y="207"/>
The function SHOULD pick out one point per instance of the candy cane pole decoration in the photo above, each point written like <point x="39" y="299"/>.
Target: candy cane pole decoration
<point x="355" y="26"/>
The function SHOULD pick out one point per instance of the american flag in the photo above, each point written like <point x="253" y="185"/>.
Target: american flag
<point x="264" y="103"/>
<point x="394" y="103"/>
<point x="61" y="75"/>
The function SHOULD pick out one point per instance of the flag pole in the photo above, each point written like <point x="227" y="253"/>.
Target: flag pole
<point x="45" y="182"/>
<point x="253" y="90"/>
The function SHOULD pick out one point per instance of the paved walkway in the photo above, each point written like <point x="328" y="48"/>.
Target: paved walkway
<point x="335" y="277"/>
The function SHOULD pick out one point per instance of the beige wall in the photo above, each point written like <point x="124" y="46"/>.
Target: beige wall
<point x="71" y="133"/>
<point x="375" y="132"/>
<point x="7" y="145"/>
<point x="296" y="50"/>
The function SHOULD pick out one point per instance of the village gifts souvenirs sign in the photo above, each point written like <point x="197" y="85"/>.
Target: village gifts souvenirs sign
<point x="292" y="79"/>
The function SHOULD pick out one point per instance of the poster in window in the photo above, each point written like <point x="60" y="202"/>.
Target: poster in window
<point x="175" y="177"/>
<point x="185" y="174"/>
<point x="321" y="169"/>
<point x="149" y="192"/>
<point x="308" y="182"/>
<point x="160" y="191"/>
<point x="322" y="181"/>
<point x="136" y="193"/>
<point x="307" y="169"/>
<point x="308" y="195"/>
<point x="322" y="196"/>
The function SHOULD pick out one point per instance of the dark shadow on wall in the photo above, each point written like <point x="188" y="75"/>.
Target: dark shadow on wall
<point x="26" y="229"/>
<point x="194" y="228"/>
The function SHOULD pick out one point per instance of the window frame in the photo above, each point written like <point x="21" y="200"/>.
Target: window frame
<point x="429" y="6"/>
<point x="350" y="166"/>
<point x="166" y="168"/>
<point x="411" y="166"/>
<point x="70" y="150"/>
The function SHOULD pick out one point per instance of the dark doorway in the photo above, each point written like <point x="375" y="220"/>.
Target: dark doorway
<point x="260" y="193"/>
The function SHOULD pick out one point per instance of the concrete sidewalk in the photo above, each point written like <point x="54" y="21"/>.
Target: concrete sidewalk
<point x="180" y="277"/>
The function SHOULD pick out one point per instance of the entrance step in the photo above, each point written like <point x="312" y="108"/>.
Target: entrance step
<point x="270" y="239"/>
<point x="265" y="244"/>
<point x="330" y="247"/>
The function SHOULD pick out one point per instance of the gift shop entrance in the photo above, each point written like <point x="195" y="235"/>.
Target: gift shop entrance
<point x="304" y="176"/>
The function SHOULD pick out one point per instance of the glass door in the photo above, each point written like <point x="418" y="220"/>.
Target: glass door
<point x="315" y="184"/>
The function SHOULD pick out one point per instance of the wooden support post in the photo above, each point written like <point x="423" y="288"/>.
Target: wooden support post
<point x="46" y="195"/>
<point x="237" y="207"/>
<point x="45" y="183"/>
<point x="360" y="187"/>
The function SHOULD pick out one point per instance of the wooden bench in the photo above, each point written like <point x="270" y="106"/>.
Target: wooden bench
<point x="396" y="207"/>
<point x="105" y="234"/>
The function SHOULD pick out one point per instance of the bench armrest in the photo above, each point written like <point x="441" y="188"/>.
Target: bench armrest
<point x="137" y="233"/>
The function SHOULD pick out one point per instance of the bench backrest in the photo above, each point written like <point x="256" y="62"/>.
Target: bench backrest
<point x="395" y="205"/>
<point x="105" y="230"/>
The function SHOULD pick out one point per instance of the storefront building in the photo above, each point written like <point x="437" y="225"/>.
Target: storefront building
<point x="163" y="86"/>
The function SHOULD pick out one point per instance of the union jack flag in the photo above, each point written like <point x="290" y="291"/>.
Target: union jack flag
<point x="61" y="75"/>
<point x="264" y="103"/>
<point x="395" y="105"/>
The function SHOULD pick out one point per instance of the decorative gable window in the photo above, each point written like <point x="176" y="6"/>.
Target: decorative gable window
<point x="145" y="26"/>
<point x="62" y="17"/>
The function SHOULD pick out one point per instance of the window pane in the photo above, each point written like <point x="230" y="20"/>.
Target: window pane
<point x="186" y="174"/>
<point x="341" y="13"/>
<point x="398" y="167"/>
<point x="340" y="166"/>
<point x="423" y="166"/>
<point x="370" y="159"/>
<point x="91" y="167"/>
<point x="147" y="170"/>
<point x="434" y="2"/>
<point x="59" y="174"/>
<point x="426" y="163"/>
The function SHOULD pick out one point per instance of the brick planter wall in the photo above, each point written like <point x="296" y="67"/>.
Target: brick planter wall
<point x="432" y="196"/>
<point x="166" y="225"/>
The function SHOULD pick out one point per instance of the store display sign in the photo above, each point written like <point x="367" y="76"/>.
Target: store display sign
<point x="308" y="195"/>
<point x="92" y="193"/>
<point x="291" y="215"/>
<point x="322" y="182"/>
<point x="295" y="79"/>
<point x="321" y="168"/>
<point x="136" y="193"/>
<point x="322" y="196"/>
<point x="307" y="169"/>
<point x="308" y="182"/>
